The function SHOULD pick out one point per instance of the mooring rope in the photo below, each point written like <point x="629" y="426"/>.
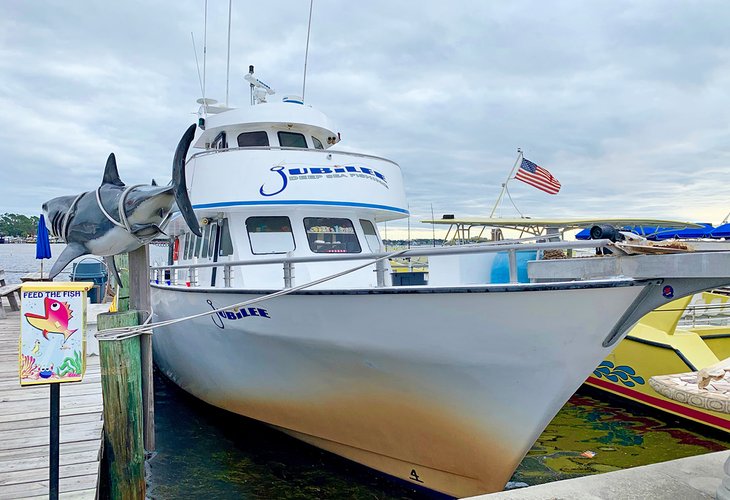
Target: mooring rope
<point x="68" y="216"/>
<point x="123" y="222"/>
<point x="125" y="332"/>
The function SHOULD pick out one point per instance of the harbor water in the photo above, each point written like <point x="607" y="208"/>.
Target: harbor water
<point x="203" y="451"/>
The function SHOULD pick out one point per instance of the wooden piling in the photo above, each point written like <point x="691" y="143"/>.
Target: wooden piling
<point x="122" y="263"/>
<point x="122" y="390"/>
<point x="139" y="299"/>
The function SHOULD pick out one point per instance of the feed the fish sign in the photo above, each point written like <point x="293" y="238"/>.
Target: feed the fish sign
<point x="52" y="332"/>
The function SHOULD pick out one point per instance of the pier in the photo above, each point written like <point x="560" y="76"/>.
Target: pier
<point x="691" y="478"/>
<point x="24" y="427"/>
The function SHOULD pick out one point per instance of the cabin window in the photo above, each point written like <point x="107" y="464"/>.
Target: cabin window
<point x="213" y="236"/>
<point x="188" y="245"/>
<point x="198" y="241"/>
<point x="172" y="249"/>
<point x="253" y="139"/>
<point x="270" y="234"/>
<point x="220" y="141"/>
<point x="371" y="235"/>
<point x="206" y="241"/>
<point x="292" y="140"/>
<point x="226" y="246"/>
<point x="330" y="235"/>
<point x="317" y="143"/>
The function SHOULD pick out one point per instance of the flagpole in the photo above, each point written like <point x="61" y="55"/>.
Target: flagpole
<point x="504" y="186"/>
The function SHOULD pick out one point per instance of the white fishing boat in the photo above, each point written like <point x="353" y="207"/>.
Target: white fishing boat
<point x="444" y="385"/>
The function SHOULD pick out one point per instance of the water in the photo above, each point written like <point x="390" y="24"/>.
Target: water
<point x="203" y="451"/>
<point x="18" y="259"/>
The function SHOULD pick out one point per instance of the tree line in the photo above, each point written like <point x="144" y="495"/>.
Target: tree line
<point x="18" y="225"/>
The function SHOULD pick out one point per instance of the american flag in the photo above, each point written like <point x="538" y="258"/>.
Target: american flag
<point x="538" y="177"/>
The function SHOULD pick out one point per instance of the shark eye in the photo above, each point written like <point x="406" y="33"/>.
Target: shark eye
<point x="55" y="306"/>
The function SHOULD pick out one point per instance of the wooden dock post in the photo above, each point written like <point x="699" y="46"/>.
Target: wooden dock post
<point x="139" y="299"/>
<point x="122" y="262"/>
<point x="122" y="389"/>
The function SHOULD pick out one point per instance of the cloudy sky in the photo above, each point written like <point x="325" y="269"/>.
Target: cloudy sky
<point x="626" y="103"/>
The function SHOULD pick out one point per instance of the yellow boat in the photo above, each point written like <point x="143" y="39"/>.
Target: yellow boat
<point x="658" y="346"/>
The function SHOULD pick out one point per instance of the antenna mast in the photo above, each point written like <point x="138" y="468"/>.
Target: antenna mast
<point x="228" y="59"/>
<point x="205" y="44"/>
<point x="306" y="52"/>
<point x="197" y="64"/>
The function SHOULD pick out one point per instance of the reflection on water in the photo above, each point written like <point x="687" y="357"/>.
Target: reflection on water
<point x="206" y="452"/>
<point x="620" y="438"/>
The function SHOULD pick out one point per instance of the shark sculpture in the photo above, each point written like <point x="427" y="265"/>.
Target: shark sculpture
<point x="116" y="218"/>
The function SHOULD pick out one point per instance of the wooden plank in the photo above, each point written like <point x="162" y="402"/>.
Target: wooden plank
<point x="67" y="390"/>
<point x="91" y="378"/>
<point x="37" y="406"/>
<point x="42" y="451"/>
<point x="30" y="476"/>
<point x="13" y="417"/>
<point x="24" y="490"/>
<point x="43" y="422"/>
<point x="36" y="437"/>
<point x="29" y="463"/>
<point x="89" y="494"/>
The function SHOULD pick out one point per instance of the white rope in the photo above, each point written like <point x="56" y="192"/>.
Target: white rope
<point x="131" y="331"/>
<point x="123" y="221"/>
<point x="67" y="217"/>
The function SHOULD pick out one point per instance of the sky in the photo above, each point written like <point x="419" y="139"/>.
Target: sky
<point x="624" y="102"/>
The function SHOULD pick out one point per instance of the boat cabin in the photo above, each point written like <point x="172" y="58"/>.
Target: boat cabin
<point x="266" y="183"/>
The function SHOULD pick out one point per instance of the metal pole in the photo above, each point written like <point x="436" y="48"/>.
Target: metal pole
<point x="228" y="59"/>
<point x="54" y="441"/>
<point x="306" y="51"/>
<point x="504" y="186"/>
<point x="380" y="270"/>
<point x="512" y="257"/>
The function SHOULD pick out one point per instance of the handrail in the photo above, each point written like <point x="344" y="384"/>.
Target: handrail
<point x="413" y="252"/>
<point x="280" y="148"/>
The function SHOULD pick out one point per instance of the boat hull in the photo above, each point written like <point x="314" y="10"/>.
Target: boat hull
<point x="445" y="388"/>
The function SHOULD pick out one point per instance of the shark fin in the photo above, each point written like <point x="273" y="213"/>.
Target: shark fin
<point x="113" y="269"/>
<point x="178" y="181"/>
<point x="72" y="251"/>
<point x="111" y="174"/>
<point x="154" y="182"/>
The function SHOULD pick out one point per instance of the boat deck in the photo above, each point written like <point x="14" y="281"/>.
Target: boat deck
<point x="24" y="428"/>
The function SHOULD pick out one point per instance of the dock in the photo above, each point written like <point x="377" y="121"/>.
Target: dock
<point x="691" y="478"/>
<point x="24" y="427"/>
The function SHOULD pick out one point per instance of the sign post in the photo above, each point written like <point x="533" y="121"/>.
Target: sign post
<point x="52" y="348"/>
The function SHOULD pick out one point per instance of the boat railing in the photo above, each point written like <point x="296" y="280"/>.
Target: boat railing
<point x="697" y="315"/>
<point x="170" y="274"/>
<point x="326" y="152"/>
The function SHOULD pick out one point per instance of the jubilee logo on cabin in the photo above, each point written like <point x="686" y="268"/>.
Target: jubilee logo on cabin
<point x="315" y="173"/>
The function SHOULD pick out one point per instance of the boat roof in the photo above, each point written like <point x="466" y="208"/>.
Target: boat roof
<point x="519" y="223"/>
<point x="286" y="114"/>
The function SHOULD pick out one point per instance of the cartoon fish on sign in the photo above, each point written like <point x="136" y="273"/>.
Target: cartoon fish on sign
<point x="55" y="320"/>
